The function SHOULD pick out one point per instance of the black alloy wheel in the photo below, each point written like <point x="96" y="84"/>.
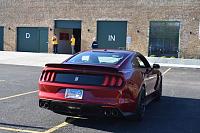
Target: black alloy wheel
<point x="141" y="105"/>
<point x="159" y="92"/>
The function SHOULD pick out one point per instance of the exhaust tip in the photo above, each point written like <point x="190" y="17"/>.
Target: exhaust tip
<point x="44" y="104"/>
<point x="111" y="113"/>
<point x="41" y="104"/>
<point x="114" y="113"/>
<point x="107" y="113"/>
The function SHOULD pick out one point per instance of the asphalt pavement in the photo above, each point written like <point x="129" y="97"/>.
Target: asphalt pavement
<point x="177" y="112"/>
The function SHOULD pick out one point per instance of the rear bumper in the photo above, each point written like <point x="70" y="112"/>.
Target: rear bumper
<point x="81" y="109"/>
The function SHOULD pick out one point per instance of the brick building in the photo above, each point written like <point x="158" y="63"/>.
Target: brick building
<point x="153" y="27"/>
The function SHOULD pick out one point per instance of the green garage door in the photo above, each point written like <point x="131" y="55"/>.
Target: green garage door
<point x="112" y="34"/>
<point x="32" y="39"/>
<point x="1" y="38"/>
<point x="164" y="38"/>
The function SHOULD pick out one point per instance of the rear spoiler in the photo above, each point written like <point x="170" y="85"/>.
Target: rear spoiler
<point x="84" y="67"/>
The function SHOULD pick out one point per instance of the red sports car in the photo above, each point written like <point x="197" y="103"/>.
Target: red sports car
<point x="106" y="83"/>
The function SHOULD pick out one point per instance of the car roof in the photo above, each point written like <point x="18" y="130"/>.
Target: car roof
<point x="126" y="52"/>
<point x="113" y="50"/>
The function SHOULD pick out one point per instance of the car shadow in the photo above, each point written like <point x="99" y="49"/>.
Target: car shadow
<point x="170" y="115"/>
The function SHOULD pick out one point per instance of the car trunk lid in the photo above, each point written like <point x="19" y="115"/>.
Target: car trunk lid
<point x="94" y="75"/>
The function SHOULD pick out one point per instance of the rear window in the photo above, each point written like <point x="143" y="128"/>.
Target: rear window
<point x="98" y="58"/>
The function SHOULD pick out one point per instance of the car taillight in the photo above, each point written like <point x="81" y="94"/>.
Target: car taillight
<point x="106" y="81"/>
<point x="112" y="81"/>
<point x="119" y="82"/>
<point x="47" y="76"/>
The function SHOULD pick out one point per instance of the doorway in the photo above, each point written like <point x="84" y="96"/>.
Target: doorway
<point x="64" y="29"/>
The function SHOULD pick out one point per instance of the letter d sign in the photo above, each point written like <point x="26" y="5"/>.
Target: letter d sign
<point x="28" y="35"/>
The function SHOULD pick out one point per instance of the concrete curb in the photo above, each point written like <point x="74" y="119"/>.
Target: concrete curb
<point x="40" y="59"/>
<point x="175" y="62"/>
<point x="178" y="65"/>
<point x="31" y="59"/>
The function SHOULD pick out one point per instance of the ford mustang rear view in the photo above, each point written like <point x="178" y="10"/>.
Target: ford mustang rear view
<point x="100" y="83"/>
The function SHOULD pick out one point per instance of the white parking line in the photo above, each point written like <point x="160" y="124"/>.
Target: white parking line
<point x="166" y="71"/>
<point x="22" y="94"/>
<point x="53" y="129"/>
<point x="18" y="130"/>
<point x="2" y="80"/>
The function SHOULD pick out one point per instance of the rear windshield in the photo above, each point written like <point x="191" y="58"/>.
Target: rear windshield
<point x="93" y="57"/>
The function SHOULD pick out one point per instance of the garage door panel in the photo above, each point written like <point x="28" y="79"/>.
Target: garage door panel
<point x="43" y="33"/>
<point x="112" y="34"/>
<point x="32" y="39"/>
<point x="164" y="38"/>
<point x="1" y="37"/>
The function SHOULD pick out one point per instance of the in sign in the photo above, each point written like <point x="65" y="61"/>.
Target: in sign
<point x="28" y="35"/>
<point x="111" y="38"/>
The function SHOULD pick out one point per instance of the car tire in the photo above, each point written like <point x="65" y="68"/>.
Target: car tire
<point x="159" y="92"/>
<point x="141" y="105"/>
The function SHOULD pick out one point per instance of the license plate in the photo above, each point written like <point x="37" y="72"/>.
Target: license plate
<point x="74" y="93"/>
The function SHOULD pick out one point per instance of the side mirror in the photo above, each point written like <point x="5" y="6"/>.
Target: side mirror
<point x="156" y="66"/>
